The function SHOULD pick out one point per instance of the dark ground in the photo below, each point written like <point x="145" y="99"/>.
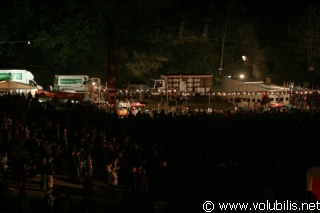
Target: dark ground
<point x="65" y="189"/>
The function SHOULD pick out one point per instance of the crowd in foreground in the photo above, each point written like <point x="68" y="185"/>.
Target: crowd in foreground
<point x="182" y="160"/>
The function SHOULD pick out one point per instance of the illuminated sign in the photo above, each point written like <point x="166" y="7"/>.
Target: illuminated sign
<point x="70" y="81"/>
<point x="11" y="76"/>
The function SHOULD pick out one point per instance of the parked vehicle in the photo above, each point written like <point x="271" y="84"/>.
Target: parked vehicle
<point x="77" y="87"/>
<point x="21" y="76"/>
<point x="71" y="83"/>
<point x="181" y="83"/>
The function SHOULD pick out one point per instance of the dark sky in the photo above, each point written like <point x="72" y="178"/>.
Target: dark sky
<point x="273" y="18"/>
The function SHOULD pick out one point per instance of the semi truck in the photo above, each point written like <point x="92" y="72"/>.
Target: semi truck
<point x="21" y="76"/>
<point x="185" y="83"/>
<point x="76" y="87"/>
<point x="71" y="83"/>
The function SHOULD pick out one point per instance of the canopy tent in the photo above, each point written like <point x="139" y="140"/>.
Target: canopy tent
<point x="313" y="181"/>
<point x="9" y="86"/>
<point x="12" y="85"/>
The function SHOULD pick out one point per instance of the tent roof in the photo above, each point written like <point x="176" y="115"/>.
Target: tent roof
<point x="7" y="85"/>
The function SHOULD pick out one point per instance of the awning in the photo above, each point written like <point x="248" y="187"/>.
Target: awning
<point x="9" y="85"/>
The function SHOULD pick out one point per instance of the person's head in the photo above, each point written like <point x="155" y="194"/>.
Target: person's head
<point x="49" y="159"/>
<point x="108" y="167"/>
<point x="164" y="164"/>
<point x="134" y="169"/>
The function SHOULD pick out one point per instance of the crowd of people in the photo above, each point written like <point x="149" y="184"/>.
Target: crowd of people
<point x="183" y="160"/>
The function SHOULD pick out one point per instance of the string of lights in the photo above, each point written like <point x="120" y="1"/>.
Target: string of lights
<point x="25" y="41"/>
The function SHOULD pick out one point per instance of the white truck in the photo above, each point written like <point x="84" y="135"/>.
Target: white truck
<point x="21" y="76"/>
<point x="71" y="83"/>
<point x="196" y="83"/>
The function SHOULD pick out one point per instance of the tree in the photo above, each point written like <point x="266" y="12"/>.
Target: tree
<point x="150" y="37"/>
<point x="306" y="38"/>
<point x="67" y="44"/>
<point x="15" y="20"/>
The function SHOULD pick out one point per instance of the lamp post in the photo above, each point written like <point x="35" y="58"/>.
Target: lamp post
<point x="220" y="69"/>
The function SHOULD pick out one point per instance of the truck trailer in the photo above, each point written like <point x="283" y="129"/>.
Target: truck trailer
<point x="184" y="83"/>
<point x="21" y="76"/>
<point x="71" y="83"/>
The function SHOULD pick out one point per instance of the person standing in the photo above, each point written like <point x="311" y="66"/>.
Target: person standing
<point x="82" y="159"/>
<point x="49" y="173"/>
<point x="144" y="183"/>
<point x="65" y="143"/>
<point x="42" y="171"/>
<point x="87" y="190"/>
<point x="4" y="165"/>
<point x="72" y="165"/>
<point x="77" y="166"/>
<point x="89" y="167"/>
<point x="49" y="201"/>
<point x="133" y="183"/>
<point x="22" y="197"/>
<point x="116" y="165"/>
<point x="114" y="184"/>
<point x="108" y="180"/>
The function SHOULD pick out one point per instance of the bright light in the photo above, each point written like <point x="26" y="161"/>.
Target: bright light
<point x="244" y="58"/>
<point x="241" y="76"/>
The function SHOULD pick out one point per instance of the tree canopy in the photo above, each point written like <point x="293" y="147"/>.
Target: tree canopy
<point x="157" y="37"/>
